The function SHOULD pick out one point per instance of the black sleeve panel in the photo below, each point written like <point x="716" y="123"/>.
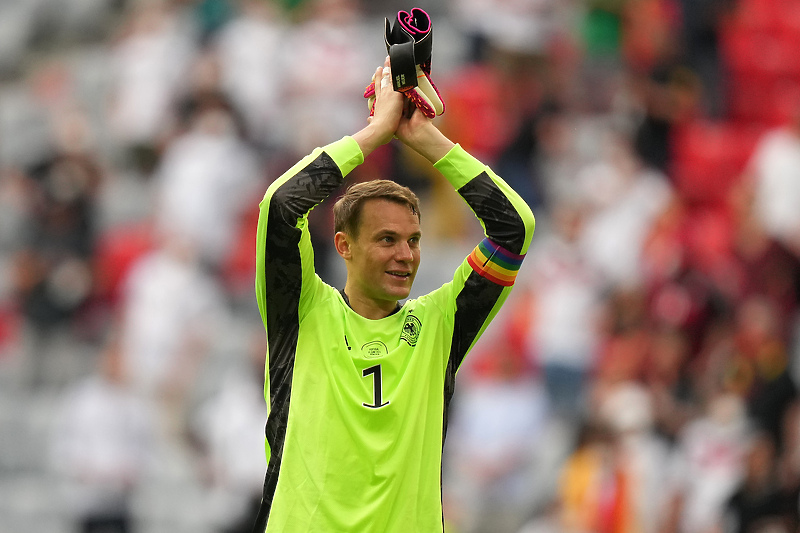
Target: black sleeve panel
<point x="502" y="223"/>
<point x="282" y="211"/>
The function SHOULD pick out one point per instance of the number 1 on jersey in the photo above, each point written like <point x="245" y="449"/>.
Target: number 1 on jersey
<point x="377" y="385"/>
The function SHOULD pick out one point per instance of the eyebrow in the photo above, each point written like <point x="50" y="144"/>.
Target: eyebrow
<point x="391" y="233"/>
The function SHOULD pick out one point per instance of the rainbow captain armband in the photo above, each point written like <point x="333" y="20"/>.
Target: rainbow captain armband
<point x="495" y="263"/>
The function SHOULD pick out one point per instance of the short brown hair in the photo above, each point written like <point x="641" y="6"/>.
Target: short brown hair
<point x="347" y="209"/>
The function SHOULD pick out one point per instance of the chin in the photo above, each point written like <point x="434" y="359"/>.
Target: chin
<point x="399" y="293"/>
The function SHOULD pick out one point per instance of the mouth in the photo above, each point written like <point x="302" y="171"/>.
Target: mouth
<point x="399" y="274"/>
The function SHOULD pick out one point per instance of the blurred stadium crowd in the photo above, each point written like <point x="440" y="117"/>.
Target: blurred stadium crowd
<point x="643" y="376"/>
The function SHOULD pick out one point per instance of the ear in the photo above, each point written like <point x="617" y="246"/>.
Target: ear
<point x="342" y="243"/>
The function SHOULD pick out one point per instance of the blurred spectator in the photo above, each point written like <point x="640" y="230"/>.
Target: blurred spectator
<point x="565" y="301"/>
<point x="325" y="79"/>
<point x="668" y="377"/>
<point x="614" y="479"/>
<point x="760" y="503"/>
<point x="680" y="291"/>
<point x="103" y="446"/>
<point x="668" y="96"/>
<point x="774" y="177"/>
<point x="53" y="174"/>
<point x="642" y="456"/>
<point x="499" y="412"/>
<point x="251" y="52"/>
<point x="624" y="199"/>
<point x="170" y="310"/>
<point x="708" y="466"/>
<point x="591" y="491"/>
<point x="757" y="366"/>
<point x="54" y="277"/>
<point x="228" y="426"/>
<point x="206" y="179"/>
<point x="151" y="57"/>
<point x="491" y="464"/>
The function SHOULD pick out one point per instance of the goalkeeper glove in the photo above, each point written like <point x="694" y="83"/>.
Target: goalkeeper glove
<point x="409" y="42"/>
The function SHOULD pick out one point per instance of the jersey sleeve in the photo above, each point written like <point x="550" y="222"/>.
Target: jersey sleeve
<point x="285" y="277"/>
<point x="483" y="280"/>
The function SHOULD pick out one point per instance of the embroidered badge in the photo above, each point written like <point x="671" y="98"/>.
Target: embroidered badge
<point x="411" y="328"/>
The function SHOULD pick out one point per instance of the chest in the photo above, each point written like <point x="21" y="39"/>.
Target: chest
<point x="370" y="364"/>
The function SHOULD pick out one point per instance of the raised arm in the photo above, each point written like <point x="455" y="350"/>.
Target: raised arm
<point x="483" y="281"/>
<point x="507" y="220"/>
<point x="284" y="259"/>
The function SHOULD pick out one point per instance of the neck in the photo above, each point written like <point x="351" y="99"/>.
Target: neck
<point x="367" y="307"/>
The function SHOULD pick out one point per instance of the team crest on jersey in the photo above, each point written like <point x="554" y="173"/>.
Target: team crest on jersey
<point x="411" y="328"/>
<point x="374" y="349"/>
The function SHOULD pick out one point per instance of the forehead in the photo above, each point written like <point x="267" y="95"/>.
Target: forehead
<point x="379" y="215"/>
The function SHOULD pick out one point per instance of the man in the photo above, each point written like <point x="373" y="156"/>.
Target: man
<point x="357" y="384"/>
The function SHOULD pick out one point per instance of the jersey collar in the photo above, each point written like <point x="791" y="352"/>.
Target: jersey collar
<point x="347" y="301"/>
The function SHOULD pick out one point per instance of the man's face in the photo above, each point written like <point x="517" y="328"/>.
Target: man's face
<point x="384" y="258"/>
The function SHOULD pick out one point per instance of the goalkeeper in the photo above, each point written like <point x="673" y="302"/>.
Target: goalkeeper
<point x="357" y="382"/>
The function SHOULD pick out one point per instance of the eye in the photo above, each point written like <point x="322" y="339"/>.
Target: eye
<point x="388" y="239"/>
<point x="414" y="241"/>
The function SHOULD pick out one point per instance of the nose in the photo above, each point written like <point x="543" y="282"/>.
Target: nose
<point x="403" y="252"/>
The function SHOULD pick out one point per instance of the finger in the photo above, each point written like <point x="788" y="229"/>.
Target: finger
<point x="386" y="77"/>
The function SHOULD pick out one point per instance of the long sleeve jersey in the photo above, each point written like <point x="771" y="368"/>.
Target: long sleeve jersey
<point x="357" y="408"/>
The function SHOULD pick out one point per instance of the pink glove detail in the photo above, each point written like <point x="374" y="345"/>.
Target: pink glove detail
<point x="369" y="94"/>
<point x="417" y="23"/>
<point x="428" y="91"/>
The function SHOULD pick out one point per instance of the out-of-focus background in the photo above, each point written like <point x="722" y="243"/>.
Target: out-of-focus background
<point x="641" y="378"/>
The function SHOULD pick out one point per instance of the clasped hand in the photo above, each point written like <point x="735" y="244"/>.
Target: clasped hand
<point x="395" y="116"/>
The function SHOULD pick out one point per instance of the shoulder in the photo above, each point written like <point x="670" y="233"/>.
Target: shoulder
<point x="437" y="302"/>
<point x="321" y="296"/>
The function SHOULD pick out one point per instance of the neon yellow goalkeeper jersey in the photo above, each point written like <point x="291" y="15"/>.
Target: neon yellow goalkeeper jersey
<point x="358" y="407"/>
